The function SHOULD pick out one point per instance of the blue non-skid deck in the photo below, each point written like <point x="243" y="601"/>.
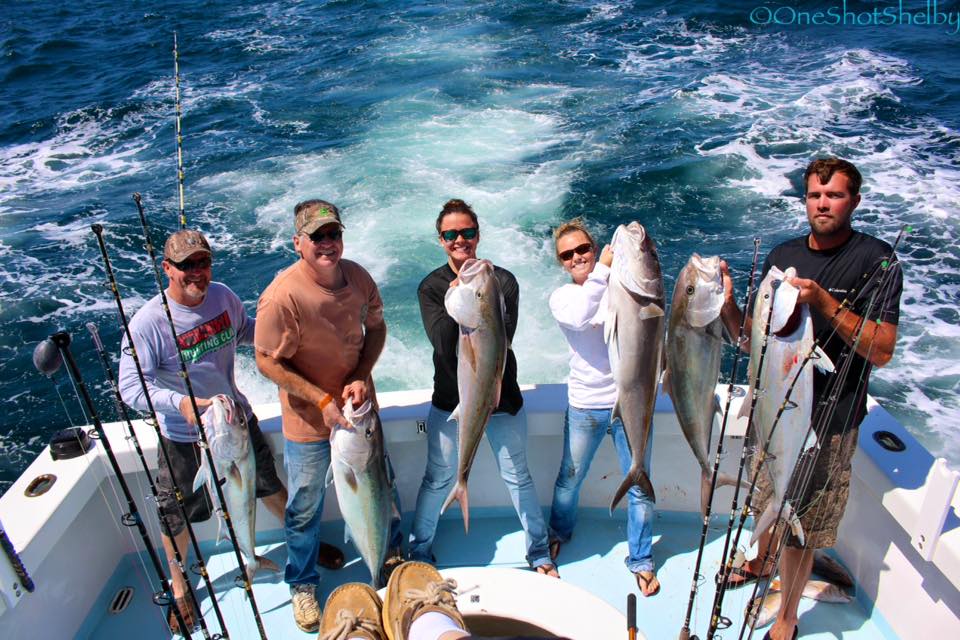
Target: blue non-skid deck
<point x="592" y="560"/>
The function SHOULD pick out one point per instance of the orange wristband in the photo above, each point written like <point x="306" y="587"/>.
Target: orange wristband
<point x="327" y="399"/>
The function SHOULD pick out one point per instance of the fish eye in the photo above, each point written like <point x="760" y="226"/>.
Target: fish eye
<point x="479" y="295"/>
<point x="690" y="290"/>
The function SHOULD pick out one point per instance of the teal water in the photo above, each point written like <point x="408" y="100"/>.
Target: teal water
<point x="686" y="116"/>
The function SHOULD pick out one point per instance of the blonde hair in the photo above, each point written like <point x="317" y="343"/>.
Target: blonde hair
<point x="568" y="227"/>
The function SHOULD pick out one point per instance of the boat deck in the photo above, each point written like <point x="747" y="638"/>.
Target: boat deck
<point x="593" y="560"/>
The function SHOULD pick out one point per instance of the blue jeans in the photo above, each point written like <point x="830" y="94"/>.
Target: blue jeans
<point x="306" y="464"/>
<point x="507" y="436"/>
<point x="583" y="431"/>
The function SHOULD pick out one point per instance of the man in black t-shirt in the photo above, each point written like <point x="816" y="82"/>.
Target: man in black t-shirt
<point x="835" y="265"/>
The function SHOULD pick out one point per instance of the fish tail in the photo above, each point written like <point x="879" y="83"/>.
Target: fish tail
<point x="459" y="494"/>
<point x="705" y="492"/>
<point x="636" y="476"/>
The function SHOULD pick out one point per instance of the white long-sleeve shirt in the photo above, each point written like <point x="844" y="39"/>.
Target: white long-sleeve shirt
<point x="580" y="311"/>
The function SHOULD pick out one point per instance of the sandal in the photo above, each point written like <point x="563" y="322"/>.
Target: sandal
<point x="644" y="581"/>
<point x="745" y="577"/>
<point x="548" y="570"/>
<point x="186" y="612"/>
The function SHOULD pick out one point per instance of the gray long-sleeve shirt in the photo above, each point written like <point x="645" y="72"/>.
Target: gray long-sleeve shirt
<point x="208" y="335"/>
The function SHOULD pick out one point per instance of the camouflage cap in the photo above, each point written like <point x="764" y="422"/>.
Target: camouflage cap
<point x="183" y="244"/>
<point x="313" y="214"/>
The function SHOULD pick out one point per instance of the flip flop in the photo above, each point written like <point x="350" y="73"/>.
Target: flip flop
<point x="796" y="631"/>
<point x="548" y="570"/>
<point x="330" y="557"/>
<point x="746" y="577"/>
<point x="644" y="578"/>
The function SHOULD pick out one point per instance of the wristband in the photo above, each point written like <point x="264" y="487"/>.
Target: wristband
<point x="327" y="399"/>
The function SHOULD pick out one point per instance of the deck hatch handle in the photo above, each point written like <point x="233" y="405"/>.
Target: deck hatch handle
<point x="121" y="600"/>
<point x="889" y="441"/>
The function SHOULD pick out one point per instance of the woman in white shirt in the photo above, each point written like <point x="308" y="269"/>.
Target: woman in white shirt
<point x="580" y="308"/>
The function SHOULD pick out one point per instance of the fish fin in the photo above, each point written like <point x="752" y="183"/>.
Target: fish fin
<point x="616" y="412"/>
<point x="497" y="392"/>
<point x="637" y="477"/>
<point x="822" y="361"/>
<point x="233" y="473"/>
<point x="455" y="414"/>
<point x="763" y="523"/>
<point x="203" y="475"/>
<point x="261" y="563"/>
<point x="831" y="570"/>
<point x="811" y="441"/>
<point x="704" y="492"/>
<point x="467" y="352"/>
<point x="351" y="479"/>
<point x="665" y="385"/>
<point x="329" y="479"/>
<point x="459" y="493"/>
<point x="784" y="304"/>
<point x="347" y="534"/>
<point x="744" y="404"/>
<point x="651" y="310"/>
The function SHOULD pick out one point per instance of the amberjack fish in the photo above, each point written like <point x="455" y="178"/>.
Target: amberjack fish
<point x="831" y="570"/>
<point x="359" y="471"/>
<point x="694" y="339"/>
<point x="789" y="343"/>
<point x="478" y="307"/>
<point x="233" y="456"/>
<point x="634" y="334"/>
<point x="766" y="610"/>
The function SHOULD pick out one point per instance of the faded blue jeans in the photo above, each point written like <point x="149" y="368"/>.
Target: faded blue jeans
<point x="583" y="431"/>
<point x="306" y="464"/>
<point x="507" y="436"/>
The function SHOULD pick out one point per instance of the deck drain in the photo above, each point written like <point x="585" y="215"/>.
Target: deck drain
<point x="121" y="600"/>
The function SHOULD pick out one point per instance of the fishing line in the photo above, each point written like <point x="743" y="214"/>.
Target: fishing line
<point x="132" y="438"/>
<point x="154" y="422"/>
<point x="724" y="574"/>
<point x="805" y="466"/>
<point x="178" y="112"/>
<point x="132" y="518"/>
<point x="851" y="298"/>
<point x="243" y="579"/>
<point x="695" y="580"/>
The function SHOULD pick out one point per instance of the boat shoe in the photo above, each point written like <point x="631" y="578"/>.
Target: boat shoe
<point x="352" y="611"/>
<point x="306" y="609"/>
<point x="416" y="588"/>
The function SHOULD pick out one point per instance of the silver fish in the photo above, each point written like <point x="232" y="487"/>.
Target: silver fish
<point x="233" y="456"/>
<point x="767" y="609"/>
<point x="359" y="471"/>
<point x="694" y="339"/>
<point x="634" y="335"/>
<point x="478" y="307"/>
<point x="789" y="342"/>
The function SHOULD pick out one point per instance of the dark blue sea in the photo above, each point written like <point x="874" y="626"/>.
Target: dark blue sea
<point x="694" y="118"/>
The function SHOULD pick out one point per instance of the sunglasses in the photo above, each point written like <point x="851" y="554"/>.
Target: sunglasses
<point x="320" y="235"/>
<point x="580" y="250"/>
<point x="451" y="234"/>
<point x="190" y="265"/>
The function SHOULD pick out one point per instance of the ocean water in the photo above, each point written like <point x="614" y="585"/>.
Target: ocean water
<point x="690" y="117"/>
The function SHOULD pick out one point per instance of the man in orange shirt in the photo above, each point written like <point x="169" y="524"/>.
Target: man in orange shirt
<point x="319" y="332"/>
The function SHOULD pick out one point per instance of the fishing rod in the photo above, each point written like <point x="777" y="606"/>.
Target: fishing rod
<point x="50" y="354"/>
<point x="244" y="579"/>
<point x="11" y="552"/>
<point x="178" y="111"/>
<point x="685" y="630"/>
<point x="132" y="436"/>
<point x="153" y="421"/>
<point x="804" y="465"/>
<point x="724" y="574"/>
<point x="845" y="305"/>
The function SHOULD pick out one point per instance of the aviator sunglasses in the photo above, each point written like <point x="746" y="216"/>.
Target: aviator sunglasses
<point x="320" y="235"/>
<point x="451" y="234"/>
<point x="190" y="265"/>
<point x="580" y="250"/>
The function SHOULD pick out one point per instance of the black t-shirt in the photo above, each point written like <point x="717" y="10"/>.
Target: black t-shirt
<point x="443" y="332"/>
<point x="843" y="272"/>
